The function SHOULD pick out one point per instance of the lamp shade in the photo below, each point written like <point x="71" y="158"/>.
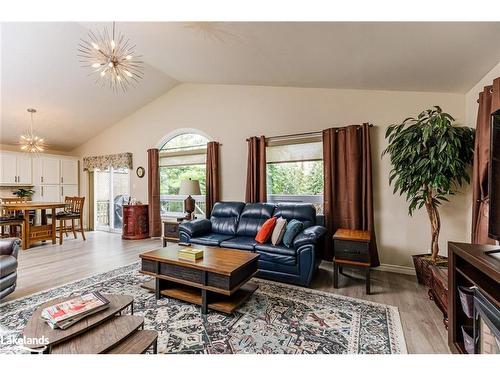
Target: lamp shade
<point x="190" y="187"/>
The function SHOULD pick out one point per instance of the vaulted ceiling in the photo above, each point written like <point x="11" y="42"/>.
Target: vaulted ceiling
<point x="40" y="68"/>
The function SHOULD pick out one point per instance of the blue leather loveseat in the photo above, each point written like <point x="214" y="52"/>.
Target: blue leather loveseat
<point x="235" y="224"/>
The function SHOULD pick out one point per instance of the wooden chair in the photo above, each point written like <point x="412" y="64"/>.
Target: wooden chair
<point x="73" y="212"/>
<point x="9" y="219"/>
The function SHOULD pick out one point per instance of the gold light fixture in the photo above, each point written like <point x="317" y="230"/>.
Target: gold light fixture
<point x="30" y="142"/>
<point x="112" y="59"/>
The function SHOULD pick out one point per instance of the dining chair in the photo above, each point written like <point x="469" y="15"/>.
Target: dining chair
<point x="9" y="219"/>
<point x="73" y="211"/>
<point x="19" y="213"/>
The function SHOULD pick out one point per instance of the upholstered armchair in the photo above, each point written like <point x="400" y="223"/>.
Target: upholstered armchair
<point x="9" y="249"/>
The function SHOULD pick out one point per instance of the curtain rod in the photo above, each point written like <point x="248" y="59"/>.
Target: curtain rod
<point x="317" y="133"/>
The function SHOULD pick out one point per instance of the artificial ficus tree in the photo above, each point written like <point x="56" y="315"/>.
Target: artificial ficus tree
<point x="430" y="160"/>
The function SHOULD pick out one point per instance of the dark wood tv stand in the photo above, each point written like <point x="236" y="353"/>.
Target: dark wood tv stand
<point x="469" y="265"/>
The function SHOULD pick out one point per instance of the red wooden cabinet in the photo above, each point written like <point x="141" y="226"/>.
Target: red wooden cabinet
<point x="135" y="222"/>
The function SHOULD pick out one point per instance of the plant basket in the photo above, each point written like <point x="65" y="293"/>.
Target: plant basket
<point x="422" y="263"/>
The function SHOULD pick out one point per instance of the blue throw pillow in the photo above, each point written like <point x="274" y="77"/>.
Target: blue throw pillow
<point x="293" y="228"/>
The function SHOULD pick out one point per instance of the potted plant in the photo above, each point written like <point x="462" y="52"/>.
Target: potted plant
<point x="430" y="160"/>
<point x="24" y="193"/>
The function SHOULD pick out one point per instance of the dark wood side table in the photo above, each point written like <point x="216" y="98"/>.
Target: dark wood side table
<point x="351" y="248"/>
<point x="135" y="222"/>
<point x="170" y="231"/>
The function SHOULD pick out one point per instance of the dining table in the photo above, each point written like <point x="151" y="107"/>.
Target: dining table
<point x="36" y="232"/>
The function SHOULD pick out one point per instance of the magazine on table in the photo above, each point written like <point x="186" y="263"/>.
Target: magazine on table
<point x="67" y="313"/>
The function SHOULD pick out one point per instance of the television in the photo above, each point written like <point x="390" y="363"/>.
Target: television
<point x="494" y="179"/>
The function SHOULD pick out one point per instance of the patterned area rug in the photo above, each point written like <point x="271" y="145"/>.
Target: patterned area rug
<point x="278" y="318"/>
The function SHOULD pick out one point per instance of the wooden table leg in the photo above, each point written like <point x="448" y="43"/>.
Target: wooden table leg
<point x="158" y="288"/>
<point x="368" y="280"/>
<point x="335" y="275"/>
<point x="26" y="237"/>
<point x="204" y="302"/>
<point x="53" y="211"/>
<point x="44" y="216"/>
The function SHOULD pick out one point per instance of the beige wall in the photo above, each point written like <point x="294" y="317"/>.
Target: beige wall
<point x="231" y="113"/>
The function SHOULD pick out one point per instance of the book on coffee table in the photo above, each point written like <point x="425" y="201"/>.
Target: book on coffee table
<point x="190" y="253"/>
<point x="65" y="314"/>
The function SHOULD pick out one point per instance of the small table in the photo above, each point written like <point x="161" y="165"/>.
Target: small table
<point x="170" y="231"/>
<point x="107" y="331"/>
<point x="219" y="281"/>
<point x="351" y="248"/>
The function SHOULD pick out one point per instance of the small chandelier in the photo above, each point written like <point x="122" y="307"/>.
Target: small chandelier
<point x="112" y="59"/>
<point x="30" y="142"/>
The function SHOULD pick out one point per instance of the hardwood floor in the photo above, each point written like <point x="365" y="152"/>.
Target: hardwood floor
<point x="47" y="266"/>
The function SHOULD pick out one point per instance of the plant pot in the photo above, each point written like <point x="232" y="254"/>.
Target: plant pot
<point x="422" y="263"/>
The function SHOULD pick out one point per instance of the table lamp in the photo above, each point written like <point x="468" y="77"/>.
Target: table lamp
<point x="189" y="187"/>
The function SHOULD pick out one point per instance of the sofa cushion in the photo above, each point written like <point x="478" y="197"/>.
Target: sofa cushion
<point x="293" y="228"/>
<point x="276" y="254"/>
<point x="264" y="233"/>
<point x="212" y="239"/>
<point x="8" y="265"/>
<point x="253" y="217"/>
<point x="225" y="217"/>
<point x="278" y="231"/>
<point x="303" y="212"/>
<point x="268" y="248"/>
<point x="240" y="242"/>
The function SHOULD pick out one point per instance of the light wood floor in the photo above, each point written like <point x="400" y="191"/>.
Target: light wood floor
<point x="47" y="266"/>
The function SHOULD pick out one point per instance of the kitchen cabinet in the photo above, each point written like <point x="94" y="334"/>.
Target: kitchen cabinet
<point x="16" y="168"/>
<point x="69" y="171"/>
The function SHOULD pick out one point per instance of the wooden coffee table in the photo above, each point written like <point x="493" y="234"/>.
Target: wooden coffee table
<point x="219" y="281"/>
<point x="107" y="331"/>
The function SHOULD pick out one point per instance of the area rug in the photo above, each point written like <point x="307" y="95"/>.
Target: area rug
<point x="278" y="318"/>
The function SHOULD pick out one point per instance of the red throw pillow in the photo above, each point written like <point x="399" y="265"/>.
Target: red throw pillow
<point x="266" y="230"/>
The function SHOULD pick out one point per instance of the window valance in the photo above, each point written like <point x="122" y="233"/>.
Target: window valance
<point x="123" y="160"/>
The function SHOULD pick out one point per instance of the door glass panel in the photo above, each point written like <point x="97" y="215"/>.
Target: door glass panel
<point x="102" y="183"/>
<point x="111" y="192"/>
<point x="121" y="194"/>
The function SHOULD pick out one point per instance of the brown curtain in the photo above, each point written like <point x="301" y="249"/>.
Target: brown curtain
<point x="256" y="190"/>
<point x="489" y="101"/>
<point x="154" y="193"/>
<point x="212" y="177"/>
<point x="348" y="194"/>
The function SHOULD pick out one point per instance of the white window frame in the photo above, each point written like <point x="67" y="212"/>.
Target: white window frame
<point x="299" y="198"/>
<point x="181" y="198"/>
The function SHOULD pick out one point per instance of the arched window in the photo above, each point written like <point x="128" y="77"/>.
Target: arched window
<point x="182" y="157"/>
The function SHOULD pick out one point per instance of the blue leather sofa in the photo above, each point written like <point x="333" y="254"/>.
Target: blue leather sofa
<point x="234" y="225"/>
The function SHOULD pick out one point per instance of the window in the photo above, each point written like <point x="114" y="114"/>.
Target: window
<point x="295" y="171"/>
<point x="182" y="157"/>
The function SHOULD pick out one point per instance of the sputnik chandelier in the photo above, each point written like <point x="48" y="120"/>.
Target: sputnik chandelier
<point x="30" y="142"/>
<point x="112" y="59"/>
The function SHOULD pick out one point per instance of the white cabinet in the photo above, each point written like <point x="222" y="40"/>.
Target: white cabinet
<point x="16" y="168"/>
<point x="24" y="168"/>
<point x="69" y="191"/>
<point x="50" y="193"/>
<point x="50" y="168"/>
<point x="56" y="177"/>
<point x="69" y="171"/>
<point x="8" y="163"/>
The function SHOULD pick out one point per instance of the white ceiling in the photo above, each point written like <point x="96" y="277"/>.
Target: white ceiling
<point x="40" y="67"/>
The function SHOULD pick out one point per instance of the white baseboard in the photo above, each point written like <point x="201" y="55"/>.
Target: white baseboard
<point x="396" y="269"/>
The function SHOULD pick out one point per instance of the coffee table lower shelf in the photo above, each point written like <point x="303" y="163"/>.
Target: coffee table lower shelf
<point x="217" y="302"/>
